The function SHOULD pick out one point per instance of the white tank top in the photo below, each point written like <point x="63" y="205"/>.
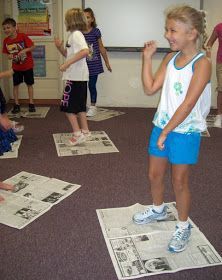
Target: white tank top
<point x="175" y="86"/>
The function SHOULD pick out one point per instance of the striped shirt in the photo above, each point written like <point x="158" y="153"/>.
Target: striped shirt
<point x="94" y="60"/>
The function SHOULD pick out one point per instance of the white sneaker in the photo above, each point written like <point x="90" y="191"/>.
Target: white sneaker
<point x="17" y="128"/>
<point x="92" y="111"/>
<point x="218" y="121"/>
<point x="75" y="140"/>
<point x="87" y="134"/>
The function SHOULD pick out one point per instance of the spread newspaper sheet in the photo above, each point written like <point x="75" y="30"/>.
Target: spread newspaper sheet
<point x="33" y="195"/>
<point x="98" y="143"/>
<point x="210" y="120"/>
<point x="141" y="250"/>
<point x="14" y="151"/>
<point x="104" y="114"/>
<point x="41" y="112"/>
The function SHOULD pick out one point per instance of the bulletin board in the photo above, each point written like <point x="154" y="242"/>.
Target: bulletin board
<point x="34" y="17"/>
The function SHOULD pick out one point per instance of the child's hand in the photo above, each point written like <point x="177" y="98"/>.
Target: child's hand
<point x="58" y="42"/>
<point x="5" y="123"/>
<point x="10" y="56"/>
<point x="149" y="49"/>
<point x="108" y="67"/>
<point x="161" y="140"/>
<point x="63" y="67"/>
<point x="7" y="73"/>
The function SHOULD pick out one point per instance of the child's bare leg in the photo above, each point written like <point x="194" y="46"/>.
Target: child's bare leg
<point x="15" y="94"/>
<point x="30" y="93"/>
<point x="83" y="121"/>
<point x="73" y="121"/>
<point x="180" y="181"/>
<point x="156" y="171"/>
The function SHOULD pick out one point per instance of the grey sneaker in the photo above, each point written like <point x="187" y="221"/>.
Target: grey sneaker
<point x="179" y="240"/>
<point x="149" y="216"/>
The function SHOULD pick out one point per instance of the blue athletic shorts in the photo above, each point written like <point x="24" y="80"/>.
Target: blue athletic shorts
<point x="179" y="148"/>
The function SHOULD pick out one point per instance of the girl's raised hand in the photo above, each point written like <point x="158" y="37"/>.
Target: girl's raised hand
<point x="149" y="49"/>
<point x="58" y="42"/>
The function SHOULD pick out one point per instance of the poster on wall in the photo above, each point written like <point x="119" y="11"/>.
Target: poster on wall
<point x="33" y="17"/>
<point x="39" y="61"/>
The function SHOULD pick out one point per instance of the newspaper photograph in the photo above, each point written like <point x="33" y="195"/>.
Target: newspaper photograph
<point x="104" y="114"/>
<point x="15" y="148"/>
<point x="40" y="187"/>
<point x="32" y="196"/>
<point x="98" y="143"/>
<point x="141" y="250"/>
<point x="18" y="211"/>
<point x="41" y="112"/>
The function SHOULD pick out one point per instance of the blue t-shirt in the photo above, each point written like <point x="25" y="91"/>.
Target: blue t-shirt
<point x="94" y="60"/>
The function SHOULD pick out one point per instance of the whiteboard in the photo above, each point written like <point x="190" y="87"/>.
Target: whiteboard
<point x="130" y="23"/>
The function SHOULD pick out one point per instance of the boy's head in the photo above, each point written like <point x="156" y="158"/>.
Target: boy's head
<point x="9" y="27"/>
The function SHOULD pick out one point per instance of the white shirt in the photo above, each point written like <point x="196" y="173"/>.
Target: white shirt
<point x="174" y="91"/>
<point x="77" y="71"/>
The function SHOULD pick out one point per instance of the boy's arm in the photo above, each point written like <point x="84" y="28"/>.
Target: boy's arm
<point x="79" y="55"/>
<point x="30" y="49"/>
<point x="201" y="76"/>
<point x="104" y="54"/>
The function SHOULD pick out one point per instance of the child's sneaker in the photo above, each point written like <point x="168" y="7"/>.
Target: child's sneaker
<point x="92" y="111"/>
<point x="218" y="121"/>
<point x="31" y="108"/>
<point x="17" y="128"/>
<point x="75" y="140"/>
<point x="179" y="239"/>
<point x="149" y="216"/>
<point x="87" y="133"/>
<point x="16" y="109"/>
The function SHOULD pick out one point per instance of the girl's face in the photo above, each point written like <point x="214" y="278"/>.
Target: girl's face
<point x="178" y="34"/>
<point x="89" y="18"/>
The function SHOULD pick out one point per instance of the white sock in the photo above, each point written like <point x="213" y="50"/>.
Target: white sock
<point x="183" y="224"/>
<point x="159" y="208"/>
<point x="85" y="131"/>
<point x="77" y="133"/>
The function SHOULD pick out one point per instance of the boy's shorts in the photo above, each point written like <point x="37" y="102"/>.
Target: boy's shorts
<point x="219" y="76"/>
<point x="23" y="76"/>
<point x="179" y="148"/>
<point x="74" y="97"/>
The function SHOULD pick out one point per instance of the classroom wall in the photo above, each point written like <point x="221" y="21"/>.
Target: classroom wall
<point x="122" y="87"/>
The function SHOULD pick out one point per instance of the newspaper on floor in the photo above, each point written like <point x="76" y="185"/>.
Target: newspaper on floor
<point x="14" y="151"/>
<point x="98" y="143"/>
<point x="141" y="250"/>
<point x="33" y="195"/>
<point x="104" y="114"/>
<point x="210" y="120"/>
<point x="205" y="133"/>
<point x="41" y="112"/>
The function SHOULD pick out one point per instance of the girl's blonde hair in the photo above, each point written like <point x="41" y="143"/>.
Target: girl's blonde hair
<point x="75" y="20"/>
<point x="194" y="18"/>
